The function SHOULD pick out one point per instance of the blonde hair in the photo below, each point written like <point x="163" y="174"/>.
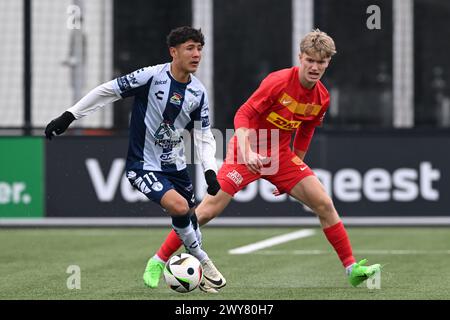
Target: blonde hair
<point x="318" y="42"/>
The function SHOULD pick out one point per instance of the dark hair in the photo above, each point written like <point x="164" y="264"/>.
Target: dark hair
<point x="182" y="34"/>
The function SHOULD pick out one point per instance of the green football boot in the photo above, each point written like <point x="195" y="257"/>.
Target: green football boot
<point x="360" y="272"/>
<point x="153" y="272"/>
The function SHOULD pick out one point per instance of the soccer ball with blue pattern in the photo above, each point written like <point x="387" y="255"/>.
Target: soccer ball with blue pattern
<point x="183" y="273"/>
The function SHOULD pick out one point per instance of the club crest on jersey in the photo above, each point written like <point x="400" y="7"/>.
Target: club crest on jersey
<point x="190" y="105"/>
<point x="299" y="109"/>
<point x="309" y="109"/>
<point x="166" y="136"/>
<point x="176" y="98"/>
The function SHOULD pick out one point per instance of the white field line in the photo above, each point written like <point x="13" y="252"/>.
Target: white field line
<point x="273" y="241"/>
<point x="374" y="252"/>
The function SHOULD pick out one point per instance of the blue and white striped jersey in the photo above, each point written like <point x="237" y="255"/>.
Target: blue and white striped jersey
<point x="162" y="109"/>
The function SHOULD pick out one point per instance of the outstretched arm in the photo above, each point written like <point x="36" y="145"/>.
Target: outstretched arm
<point x="96" y="98"/>
<point x="121" y="87"/>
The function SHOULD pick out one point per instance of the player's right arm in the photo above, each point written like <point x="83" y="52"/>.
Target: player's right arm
<point x="100" y="96"/>
<point x="253" y="160"/>
<point x="259" y="101"/>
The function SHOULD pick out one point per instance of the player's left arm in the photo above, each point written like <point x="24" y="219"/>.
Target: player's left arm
<point x="305" y="132"/>
<point x="299" y="153"/>
<point x="303" y="138"/>
<point x="205" y="146"/>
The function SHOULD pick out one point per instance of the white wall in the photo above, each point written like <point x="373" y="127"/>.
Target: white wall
<point x="52" y="84"/>
<point x="11" y="63"/>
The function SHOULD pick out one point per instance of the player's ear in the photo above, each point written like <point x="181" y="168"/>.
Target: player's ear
<point x="173" y="52"/>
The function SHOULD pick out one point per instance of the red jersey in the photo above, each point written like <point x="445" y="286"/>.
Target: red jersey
<point x="281" y="103"/>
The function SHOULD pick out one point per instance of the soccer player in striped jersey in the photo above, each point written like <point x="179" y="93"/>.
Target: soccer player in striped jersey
<point x="168" y="100"/>
<point x="287" y="101"/>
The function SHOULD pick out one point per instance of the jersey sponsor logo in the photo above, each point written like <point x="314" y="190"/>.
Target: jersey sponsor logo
<point x="159" y="95"/>
<point x="166" y="136"/>
<point x="235" y="177"/>
<point x="282" y="123"/>
<point x="167" y="157"/>
<point x="160" y="82"/>
<point x="176" y="98"/>
<point x="304" y="109"/>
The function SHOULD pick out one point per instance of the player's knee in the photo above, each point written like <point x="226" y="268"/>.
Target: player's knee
<point x="324" y="206"/>
<point x="178" y="207"/>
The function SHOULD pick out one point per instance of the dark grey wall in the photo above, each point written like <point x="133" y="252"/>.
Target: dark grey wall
<point x="367" y="174"/>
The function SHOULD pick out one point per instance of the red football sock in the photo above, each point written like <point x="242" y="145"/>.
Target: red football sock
<point x="169" y="246"/>
<point x="338" y="238"/>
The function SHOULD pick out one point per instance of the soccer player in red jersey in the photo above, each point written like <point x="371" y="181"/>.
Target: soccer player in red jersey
<point x="288" y="100"/>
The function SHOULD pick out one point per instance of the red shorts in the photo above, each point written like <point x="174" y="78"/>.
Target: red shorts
<point x="234" y="177"/>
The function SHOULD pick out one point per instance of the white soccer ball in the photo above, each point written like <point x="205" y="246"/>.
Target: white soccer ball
<point x="183" y="273"/>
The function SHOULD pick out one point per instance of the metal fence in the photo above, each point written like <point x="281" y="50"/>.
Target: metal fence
<point x="391" y="69"/>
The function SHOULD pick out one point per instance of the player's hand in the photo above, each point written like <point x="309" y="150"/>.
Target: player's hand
<point x="254" y="162"/>
<point x="211" y="181"/>
<point x="59" y="125"/>
<point x="276" y="192"/>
